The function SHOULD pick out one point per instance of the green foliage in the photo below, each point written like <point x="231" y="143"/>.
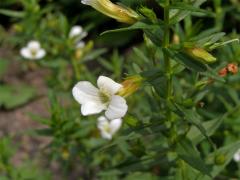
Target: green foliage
<point x="183" y="117"/>
<point x="22" y="94"/>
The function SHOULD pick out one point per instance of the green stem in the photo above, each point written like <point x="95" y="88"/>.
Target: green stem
<point x="219" y="14"/>
<point x="168" y="71"/>
<point x="166" y="57"/>
<point x="76" y="69"/>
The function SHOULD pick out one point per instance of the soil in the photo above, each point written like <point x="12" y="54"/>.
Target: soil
<point x="17" y="122"/>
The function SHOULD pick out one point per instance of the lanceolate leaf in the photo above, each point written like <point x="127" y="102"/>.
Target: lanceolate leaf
<point x="187" y="152"/>
<point x="188" y="7"/>
<point x="192" y="117"/>
<point x="187" y="61"/>
<point x="226" y="153"/>
<point x="210" y="126"/>
<point x="11" y="13"/>
<point x="178" y="15"/>
<point x="137" y="26"/>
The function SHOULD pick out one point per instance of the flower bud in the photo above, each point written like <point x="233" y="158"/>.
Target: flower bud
<point x="220" y="159"/>
<point x="65" y="153"/>
<point x="201" y="54"/>
<point x="233" y="68"/>
<point x="223" y="72"/>
<point x="176" y="39"/>
<point x="130" y="85"/>
<point x="121" y="14"/>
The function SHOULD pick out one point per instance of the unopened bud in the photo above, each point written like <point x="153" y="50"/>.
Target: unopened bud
<point x="176" y="39"/>
<point x="120" y="13"/>
<point x="200" y="104"/>
<point x="220" y="159"/>
<point x="130" y="85"/>
<point x="223" y="72"/>
<point x="65" y="153"/>
<point x="201" y="54"/>
<point x="233" y="68"/>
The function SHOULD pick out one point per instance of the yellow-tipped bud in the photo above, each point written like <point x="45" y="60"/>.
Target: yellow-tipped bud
<point x="130" y="85"/>
<point x="65" y="153"/>
<point x="121" y="14"/>
<point x="176" y="39"/>
<point x="201" y="54"/>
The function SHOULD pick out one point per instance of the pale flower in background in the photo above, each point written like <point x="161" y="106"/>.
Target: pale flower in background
<point x="95" y="100"/>
<point x="108" y="127"/>
<point x="236" y="156"/>
<point x="80" y="44"/>
<point x="33" y="51"/>
<point x="77" y="31"/>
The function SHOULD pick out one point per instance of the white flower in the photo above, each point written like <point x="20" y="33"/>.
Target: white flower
<point x="80" y="44"/>
<point x="94" y="100"/>
<point x="236" y="156"/>
<point x="108" y="127"/>
<point x="33" y="51"/>
<point x="77" y="31"/>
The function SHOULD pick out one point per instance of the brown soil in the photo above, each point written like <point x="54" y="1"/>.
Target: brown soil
<point x="17" y="123"/>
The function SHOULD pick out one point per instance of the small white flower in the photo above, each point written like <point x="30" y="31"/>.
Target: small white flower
<point x="33" y="51"/>
<point x="80" y="44"/>
<point x="108" y="127"/>
<point x="236" y="156"/>
<point x="94" y="100"/>
<point x="77" y="31"/>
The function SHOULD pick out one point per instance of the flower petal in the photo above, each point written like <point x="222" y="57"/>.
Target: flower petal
<point x="115" y="124"/>
<point x="75" y="31"/>
<point x="236" y="156"/>
<point x="117" y="108"/>
<point x="103" y="126"/>
<point x="85" y="92"/>
<point x="107" y="85"/>
<point x="80" y="44"/>
<point x="26" y="53"/>
<point x="40" y="54"/>
<point x="91" y="108"/>
<point x="34" y="45"/>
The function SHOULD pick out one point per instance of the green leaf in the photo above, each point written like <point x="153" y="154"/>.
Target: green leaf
<point x="208" y="39"/>
<point x="178" y="15"/>
<point x="227" y="153"/>
<point x="196" y="136"/>
<point x="11" y="13"/>
<point x="3" y="67"/>
<point x="187" y="152"/>
<point x="155" y="35"/>
<point x="192" y="117"/>
<point x="149" y="13"/>
<point x="141" y="55"/>
<point x="141" y="176"/>
<point x="94" y="54"/>
<point x="217" y="45"/>
<point x="137" y="26"/>
<point x="187" y="7"/>
<point x="186" y="60"/>
<point x="13" y="96"/>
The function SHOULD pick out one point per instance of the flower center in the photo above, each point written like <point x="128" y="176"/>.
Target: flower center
<point x="105" y="97"/>
<point x="107" y="128"/>
<point x="34" y="52"/>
